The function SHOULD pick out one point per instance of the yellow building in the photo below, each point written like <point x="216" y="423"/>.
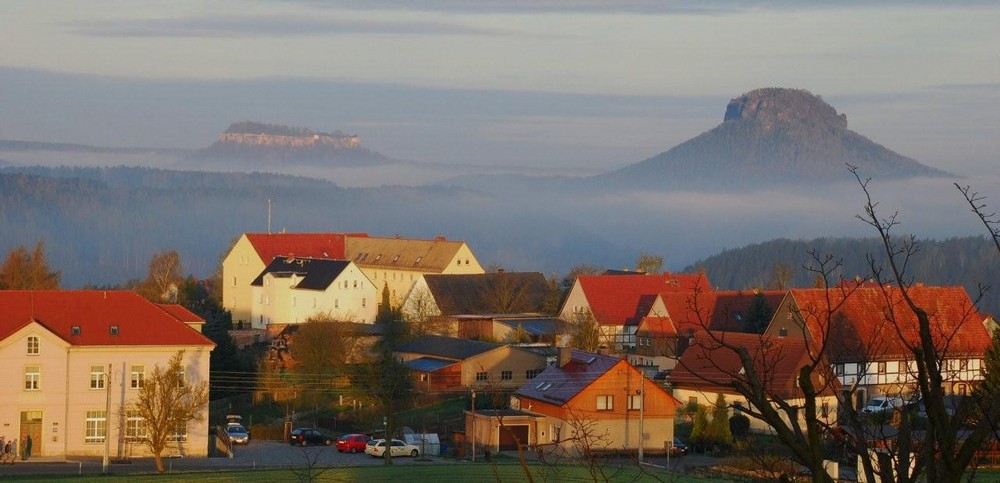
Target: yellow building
<point x="65" y="354"/>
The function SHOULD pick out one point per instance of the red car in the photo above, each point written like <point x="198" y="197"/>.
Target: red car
<point x="352" y="443"/>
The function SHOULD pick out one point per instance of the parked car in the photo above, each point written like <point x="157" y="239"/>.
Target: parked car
<point x="238" y="434"/>
<point x="352" y="443"/>
<point x="398" y="448"/>
<point x="680" y="448"/>
<point x="882" y="404"/>
<point x="306" y="436"/>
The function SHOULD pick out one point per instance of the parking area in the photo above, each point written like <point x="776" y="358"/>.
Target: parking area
<point x="275" y="453"/>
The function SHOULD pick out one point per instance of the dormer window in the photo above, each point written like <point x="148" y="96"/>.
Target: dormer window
<point x="396" y="259"/>
<point x="114" y="330"/>
<point x="418" y="260"/>
<point x="75" y="330"/>
<point x="377" y="257"/>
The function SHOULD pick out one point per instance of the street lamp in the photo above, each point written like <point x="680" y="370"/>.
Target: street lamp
<point x="473" y="425"/>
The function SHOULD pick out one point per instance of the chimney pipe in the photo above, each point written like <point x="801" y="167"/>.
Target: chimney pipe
<point x="565" y="355"/>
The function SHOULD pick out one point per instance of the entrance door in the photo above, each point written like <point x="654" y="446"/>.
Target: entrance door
<point x="507" y="433"/>
<point x="31" y="425"/>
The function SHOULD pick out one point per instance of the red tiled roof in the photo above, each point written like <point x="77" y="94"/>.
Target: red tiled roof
<point x="709" y="365"/>
<point x="139" y="321"/>
<point x="181" y="313"/>
<point x="724" y="310"/>
<point x="626" y="299"/>
<point x="313" y="245"/>
<point x="863" y="323"/>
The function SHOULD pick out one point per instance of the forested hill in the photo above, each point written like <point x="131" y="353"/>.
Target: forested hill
<point x="102" y="225"/>
<point x="968" y="261"/>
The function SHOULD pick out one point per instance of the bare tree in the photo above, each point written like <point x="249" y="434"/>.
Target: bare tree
<point x="587" y="333"/>
<point x="649" y="263"/>
<point x="167" y="402"/>
<point x="28" y="271"/>
<point x="164" y="278"/>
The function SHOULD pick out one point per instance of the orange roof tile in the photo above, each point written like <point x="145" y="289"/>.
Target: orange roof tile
<point x="869" y="321"/>
<point x="626" y="299"/>
<point x="723" y="310"/>
<point x="139" y="321"/>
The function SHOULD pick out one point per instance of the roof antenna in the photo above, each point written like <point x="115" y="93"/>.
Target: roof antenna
<point x="269" y="216"/>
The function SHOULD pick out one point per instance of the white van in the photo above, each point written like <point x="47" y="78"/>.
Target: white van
<point x="883" y="403"/>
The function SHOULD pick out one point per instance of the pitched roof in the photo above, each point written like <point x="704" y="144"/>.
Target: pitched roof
<point x="625" y="299"/>
<point x="402" y="253"/>
<point x="445" y="347"/>
<point x="316" y="273"/>
<point x="534" y="325"/>
<point x="315" y="245"/>
<point x="657" y="326"/>
<point x="139" y="321"/>
<point x="863" y="323"/>
<point x="710" y="366"/>
<point x="722" y="310"/>
<point x="560" y="384"/>
<point x="488" y="293"/>
<point x="428" y="364"/>
<point x="181" y="313"/>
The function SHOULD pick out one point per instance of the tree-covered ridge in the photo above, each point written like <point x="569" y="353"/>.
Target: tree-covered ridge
<point x="966" y="261"/>
<point x="253" y="127"/>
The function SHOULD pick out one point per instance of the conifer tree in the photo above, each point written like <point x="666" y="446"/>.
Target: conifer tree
<point x="718" y="429"/>
<point x="699" y="433"/>
<point x="28" y="271"/>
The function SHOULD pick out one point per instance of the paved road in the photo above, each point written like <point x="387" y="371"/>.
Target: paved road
<point x="257" y="454"/>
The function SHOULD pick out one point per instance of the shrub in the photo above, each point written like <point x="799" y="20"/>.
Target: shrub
<point x="739" y="425"/>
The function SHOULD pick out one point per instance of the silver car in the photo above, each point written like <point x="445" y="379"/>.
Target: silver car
<point x="238" y="434"/>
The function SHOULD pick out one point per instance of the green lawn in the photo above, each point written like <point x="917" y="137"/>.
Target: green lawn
<point x="398" y="473"/>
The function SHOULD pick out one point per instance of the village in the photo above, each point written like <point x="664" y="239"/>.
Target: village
<point x="415" y="340"/>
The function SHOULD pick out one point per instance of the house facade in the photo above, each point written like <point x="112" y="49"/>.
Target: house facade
<point x="710" y="366"/>
<point x="449" y="364"/>
<point x="867" y="333"/>
<point x="65" y="354"/>
<point x="585" y="395"/>
<point x="619" y="302"/>
<point x="493" y="293"/>
<point x="291" y="290"/>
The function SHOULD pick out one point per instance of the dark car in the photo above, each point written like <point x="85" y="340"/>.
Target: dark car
<point x="352" y="443"/>
<point x="305" y="436"/>
<point x="679" y="448"/>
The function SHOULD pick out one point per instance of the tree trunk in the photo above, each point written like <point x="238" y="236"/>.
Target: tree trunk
<point x="159" y="462"/>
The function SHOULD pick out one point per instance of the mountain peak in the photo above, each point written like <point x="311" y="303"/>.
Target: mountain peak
<point x="773" y="106"/>
<point x="769" y="137"/>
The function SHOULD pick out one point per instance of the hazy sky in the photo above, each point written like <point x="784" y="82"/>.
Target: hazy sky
<point x="561" y="83"/>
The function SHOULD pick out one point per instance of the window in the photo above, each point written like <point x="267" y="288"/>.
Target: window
<point x="824" y="410"/>
<point x="506" y="375"/>
<point x="135" y="426"/>
<point x="364" y="302"/>
<point x="32" y="346"/>
<point x="355" y="284"/>
<point x="554" y="433"/>
<point x="783" y="332"/>
<point x="531" y="374"/>
<point x="113" y="330"/>
<point x="180" y="431"/>
<point x="692" y="400"/>
<point x="75" y="330"/>
<point x="180" y="378"/>
<point x="605" y="403"/>
<point x="97" y="427"/>
<point x="962" y="390"/>
<point x="963" y="364"/>
<point x="97" y="377"/>
<point x="881" y="367"/>
<point x="482" y="376"/>
<point x="137" y="375"/>
<point x="839" y="369"/>
<point x="336" y="303"/>
<point x="32" y="375"/>
<point x="635" y="402"/>
<point x="234" y="281"/>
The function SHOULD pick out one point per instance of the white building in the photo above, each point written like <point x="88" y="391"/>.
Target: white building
<point x="291" y="290"/>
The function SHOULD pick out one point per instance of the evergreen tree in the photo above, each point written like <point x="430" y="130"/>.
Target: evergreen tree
<point x="718" y="430"/>
<point x="699" y="433"/>
<point x="758" y="315"/>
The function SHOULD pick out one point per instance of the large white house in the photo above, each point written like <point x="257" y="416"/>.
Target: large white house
<point x="65" y="354"/>
<point x="291" y="290"/>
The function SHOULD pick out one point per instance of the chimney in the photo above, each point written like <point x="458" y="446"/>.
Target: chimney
<point x="565" y="355"/>
<point x="440" y="238"/>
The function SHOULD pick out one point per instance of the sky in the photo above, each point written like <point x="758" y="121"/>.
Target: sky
<point x="574" y="85"/>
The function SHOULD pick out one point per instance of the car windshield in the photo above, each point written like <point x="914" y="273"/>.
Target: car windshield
<point x="237" y="429"/>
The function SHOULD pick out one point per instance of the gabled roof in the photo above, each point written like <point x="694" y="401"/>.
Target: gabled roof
<point x="181" y="313"/>
<point x="402" y="253"/>
<point x="722" y="310"/>
<point x="314" y="245"/>
<point x="657" y="327"/>
<point x="445" y="347"/>
<point x="709" y="366"/>
<point x="94" y="312"/>
<point x="863" y="324"/>
<point x="316" y="273"/>
<point x="626" y="299"/>
<point x="560" y="384"/>
<point x="488" y="293"/>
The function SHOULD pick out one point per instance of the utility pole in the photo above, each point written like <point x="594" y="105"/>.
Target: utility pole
<point x="106" y="463"/>
<point x="473" y="425"/>
<point x="642" y="411"/>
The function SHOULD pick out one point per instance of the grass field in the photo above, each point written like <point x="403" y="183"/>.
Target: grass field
<point x="431" y="474"/>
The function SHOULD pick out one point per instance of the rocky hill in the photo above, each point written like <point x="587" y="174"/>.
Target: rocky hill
<point x="266" y="146"/>
<point x="769" y="137"/>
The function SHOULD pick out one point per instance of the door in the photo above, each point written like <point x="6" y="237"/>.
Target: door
<point x="507" y="434"/>
<point x="31" y="425"/>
